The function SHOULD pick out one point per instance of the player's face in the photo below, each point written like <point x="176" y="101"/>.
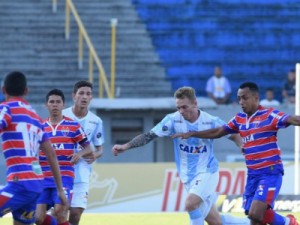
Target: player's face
<point x="248" y="101"/>
<point x="55" y="105"/>
<point x="187" y="108"/>
<point x="83" y="97"/>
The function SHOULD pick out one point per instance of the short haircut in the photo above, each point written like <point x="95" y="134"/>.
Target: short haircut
<point x="57" y="92"/>
<point x="251" y="85"/>
<point x="15" y="83"/>
<point x="185" y="92"/>
<point x="80" y="84"/>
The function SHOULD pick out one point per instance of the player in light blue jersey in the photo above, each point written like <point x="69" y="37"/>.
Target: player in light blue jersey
<point x="92" y="126"/>
<point x="194" y="157"/>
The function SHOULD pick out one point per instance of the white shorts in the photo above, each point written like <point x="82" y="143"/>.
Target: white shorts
<point x="80" y="195"/>
<point x="204" y="185"/>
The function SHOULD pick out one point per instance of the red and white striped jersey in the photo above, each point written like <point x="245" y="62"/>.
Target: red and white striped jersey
<point x="65" y="138"/>
<point x="259" y="134"/>
<point x="22" y="133"/>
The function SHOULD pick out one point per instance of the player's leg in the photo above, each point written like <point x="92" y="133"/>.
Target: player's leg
<point x="61" y="211"/>
<point x="261" y="211"/>
<point x="45" y="201"/>
<point x="200" y="190"/>
<point x="20" y="202"/>
<point x="79" y="202"/>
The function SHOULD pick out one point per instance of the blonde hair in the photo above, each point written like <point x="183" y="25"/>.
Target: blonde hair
<point x="185" y="92"/>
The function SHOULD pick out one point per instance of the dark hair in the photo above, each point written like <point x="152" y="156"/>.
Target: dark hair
<point x="251" y="85"/>
<point x="15" y="83"/>
<point x="55" y="92"/>
<point x="292" y="71"/>
<point x="82" y="83"/>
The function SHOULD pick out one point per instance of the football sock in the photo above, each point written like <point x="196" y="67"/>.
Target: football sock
<point x="49" y="220"/>
<point x="271" y="217"/>
<point x="196" y="217"/>
<point x="232" y="220"/>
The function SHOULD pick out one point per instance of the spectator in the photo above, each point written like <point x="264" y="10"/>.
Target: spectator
<point x="269" y="100"/>
<point x="289" y="88"/>
<point x="218" y="87"/>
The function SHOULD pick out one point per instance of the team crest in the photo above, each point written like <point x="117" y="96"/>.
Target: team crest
<point x="65" y="131"/>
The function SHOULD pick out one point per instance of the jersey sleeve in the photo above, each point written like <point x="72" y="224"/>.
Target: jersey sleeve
<point x="232" y="126"/>
<point x="98" y="137"/>
<point x="164" y="127"/>
<point x="5" y="116"/>
<point x="80" y="137"/>
<point x="279" y="119"/>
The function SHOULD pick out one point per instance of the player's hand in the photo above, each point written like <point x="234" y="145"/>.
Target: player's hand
<point x="90" y="158"/>
<point x="182" y="135"/>
<point x="117" y="149"/>
<point x="62" y="196"/>
<point x="75" y="158"/>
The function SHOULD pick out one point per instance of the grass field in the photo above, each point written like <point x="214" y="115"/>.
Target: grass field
<point x="132" y="219"/>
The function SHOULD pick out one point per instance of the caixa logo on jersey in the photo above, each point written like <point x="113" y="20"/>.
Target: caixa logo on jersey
<point x="193" y="149"/>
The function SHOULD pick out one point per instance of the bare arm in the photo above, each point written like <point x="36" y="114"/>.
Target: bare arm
<point x="294" y="120"/>
<point x="87" y="150"/>
<point x="51" y="157"/>
<point x="137" y="141"/>
<point x="209" y="134"/>
<point x="97" y="153"/>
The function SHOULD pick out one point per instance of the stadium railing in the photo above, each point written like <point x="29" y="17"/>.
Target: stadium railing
<point x="93" y="56"/>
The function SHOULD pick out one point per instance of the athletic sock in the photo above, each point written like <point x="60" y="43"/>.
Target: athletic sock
<point x="196" y="217"/>
<point x="232" y="220"/>
<point x="49" y="220"/>
<point x="271" y="217"/>
<point x="64" y="223"/>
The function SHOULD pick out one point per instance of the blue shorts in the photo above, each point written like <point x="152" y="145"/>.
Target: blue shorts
<point x="49" y="196"/>
<point x="20" y="202"/>
<point x="264" y="188"/>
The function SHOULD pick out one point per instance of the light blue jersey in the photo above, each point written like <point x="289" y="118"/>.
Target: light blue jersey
<point x="193" y="155"/>
<point x="92" y="126"/>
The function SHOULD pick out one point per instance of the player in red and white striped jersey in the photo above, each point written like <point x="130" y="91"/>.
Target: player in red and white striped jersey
<point x="22" y="137"/>
<point x="65" y="135"/>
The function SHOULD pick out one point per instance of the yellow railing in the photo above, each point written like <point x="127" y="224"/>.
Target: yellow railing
<point x="93" y="57"/>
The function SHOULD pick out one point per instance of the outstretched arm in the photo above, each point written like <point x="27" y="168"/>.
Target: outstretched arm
<point x="137" y="141"/>
<point x="209" y="134"/>
<point x="294" y="120"/>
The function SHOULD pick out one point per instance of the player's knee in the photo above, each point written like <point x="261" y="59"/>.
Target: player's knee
<point x="189" y="206"/>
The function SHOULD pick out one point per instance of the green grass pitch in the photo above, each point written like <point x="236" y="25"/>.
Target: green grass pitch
<point x="132" y="219"/>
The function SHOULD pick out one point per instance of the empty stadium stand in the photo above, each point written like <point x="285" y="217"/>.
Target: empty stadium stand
<point x="32" y="40"/>
<point x="252" y="40"/>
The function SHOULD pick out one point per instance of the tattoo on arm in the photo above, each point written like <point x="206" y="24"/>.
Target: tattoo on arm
<point x="142" y="139"/>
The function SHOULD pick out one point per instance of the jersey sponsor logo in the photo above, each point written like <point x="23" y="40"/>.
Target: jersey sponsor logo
<point x="177" y="121"/>
<point x="93" y="122"/>
<point x="58" y="146"/>
<point x="193" y="149"/>
<point x="248" y="138"/>
<point x="164" y="128"/>
<point x="206" y="123"/>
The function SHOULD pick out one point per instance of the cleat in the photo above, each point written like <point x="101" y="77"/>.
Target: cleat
<point x="293" y="220"/>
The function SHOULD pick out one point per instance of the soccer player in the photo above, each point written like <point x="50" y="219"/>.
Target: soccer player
<point x="195" y="161"/>
<point x="92" y="125"/>
<point x="22" y="137"/>
<point x="65" y="135"/>
<point x="258" y="128"/>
